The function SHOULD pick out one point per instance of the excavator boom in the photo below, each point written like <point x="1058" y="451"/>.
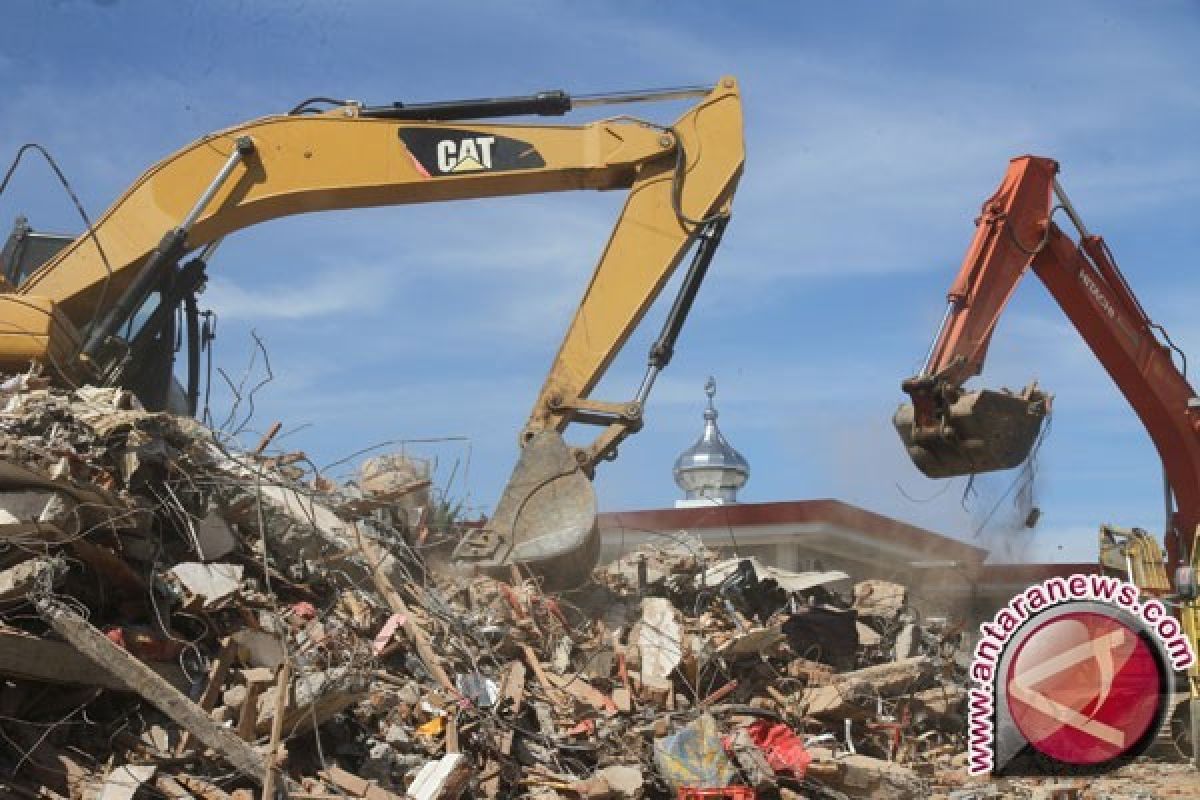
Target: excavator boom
<point x="74" y="314"/>
<point x="951" y="431"/>
<point x="1015" y="231"/>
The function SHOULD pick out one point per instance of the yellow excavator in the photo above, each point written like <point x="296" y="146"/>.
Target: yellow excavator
<point x="102" y="308"/>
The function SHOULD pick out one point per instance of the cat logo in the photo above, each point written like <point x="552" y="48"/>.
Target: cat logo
<point x="440" y="151"/>
<point x="465" y="155"/>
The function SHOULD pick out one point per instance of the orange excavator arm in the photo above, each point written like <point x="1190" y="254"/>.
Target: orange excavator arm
<point x="1015" y="231"/>
<point x="950" y="431"/>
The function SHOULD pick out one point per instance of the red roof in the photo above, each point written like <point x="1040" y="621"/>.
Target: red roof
<point x="826" y="511"/>
<point x="1033" y="573"/>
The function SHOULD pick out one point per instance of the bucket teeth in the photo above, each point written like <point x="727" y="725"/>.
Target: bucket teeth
<point x="546" y="519"/>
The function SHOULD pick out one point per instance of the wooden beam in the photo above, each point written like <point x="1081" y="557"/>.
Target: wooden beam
<point x="139" y="678"/>
<point x="171" y="788"/>
<point x="552" y="691"/>
<point x="266" y="439"/>
<point x="383" y="584"/>
<point x="282" y="682"/>
<point x="217" y="673"/>
<point x="512" y="688"/>
<point x="247" y="726"/>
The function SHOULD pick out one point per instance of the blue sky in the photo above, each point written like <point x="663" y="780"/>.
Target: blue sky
<point x="874" y="133"/>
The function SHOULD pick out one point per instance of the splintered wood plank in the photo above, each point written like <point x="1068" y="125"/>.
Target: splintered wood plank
<point x="217" y="673"/>
<point x="508" y="700"/>
<point x="139" y="678"/>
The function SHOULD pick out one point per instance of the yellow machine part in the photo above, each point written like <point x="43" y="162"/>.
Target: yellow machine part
<point x="34" y="330"/>
<point x="680" y="181"/>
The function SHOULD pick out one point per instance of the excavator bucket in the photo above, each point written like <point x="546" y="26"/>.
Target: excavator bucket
<point x="982" y="431"/>
<point x="545" y="520"/>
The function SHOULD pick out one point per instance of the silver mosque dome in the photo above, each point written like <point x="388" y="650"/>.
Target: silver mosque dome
<point x="711" y="471"/>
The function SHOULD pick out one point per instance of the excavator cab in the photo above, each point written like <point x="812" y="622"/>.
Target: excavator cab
<point x="948" y="432"/>
<point x="26" y="249"/>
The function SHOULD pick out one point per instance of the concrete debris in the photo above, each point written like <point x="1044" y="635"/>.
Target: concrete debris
<point x="185" y="619"/>
<point x="884" y="599"/>
<point x="858" y="690"/>
<point x="444" y="779"/>
<point x="18" y="581"/>
<point x="787" y="580"/>
<point x="209" y="586"/>
<point x="659" y="642"/>
<point x="214" y="537"/>
<point x="864" y="776"/>
<point x="624" y="781"/>
<point x="123" y="782"/>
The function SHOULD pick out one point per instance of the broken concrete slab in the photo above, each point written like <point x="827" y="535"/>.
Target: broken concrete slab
<point x="752" y="642"/>
<point x="258" y="648"/>
<point x="214" y="536"/>
<point x="36" y="573"/>
<point x="879" y="598"/>
<point x="315" y="696"/>
<point x="212" y="586"/>
<point x="831" y="580"/>
<point x="853" y="692"/>
<point x="123" y="782"/>
<point x="659" y="642"/>
<point x="624" y="781"/>
<point x="865" y="777"/>
<point x="24" y="513"/>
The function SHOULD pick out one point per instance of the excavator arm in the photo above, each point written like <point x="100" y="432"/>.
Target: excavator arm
<point x="70" y="314"/>
<point x="950" y="431"/>
<point x="1015" y="231"/>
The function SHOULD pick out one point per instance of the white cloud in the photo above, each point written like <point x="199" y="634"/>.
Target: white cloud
<point x="337" y="291"/>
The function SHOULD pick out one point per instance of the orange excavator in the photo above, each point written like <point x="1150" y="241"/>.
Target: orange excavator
<point x="951" y="431"/>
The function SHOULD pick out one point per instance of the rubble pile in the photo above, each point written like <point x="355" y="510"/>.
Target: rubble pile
<point x="182" y="619"/>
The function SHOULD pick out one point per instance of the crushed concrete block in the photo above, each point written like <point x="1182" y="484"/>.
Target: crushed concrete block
<point x="659" y="642"/>
<point x="879" y="598"/>
<point x="865" y="777"/>
<point x="851" y="691"/>
<point x="123" y="782"/>
<point x="211" y="585"/>
<point x="625" y="781"/>
<point x="28" y="576"/>
<point x="214" y="537"/>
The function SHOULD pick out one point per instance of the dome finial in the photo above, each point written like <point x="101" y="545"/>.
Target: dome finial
<point x="710" y="471"/>
<point x="710" y="389"/>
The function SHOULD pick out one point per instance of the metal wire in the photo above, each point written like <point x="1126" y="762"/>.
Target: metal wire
<point x="89" y="228"/>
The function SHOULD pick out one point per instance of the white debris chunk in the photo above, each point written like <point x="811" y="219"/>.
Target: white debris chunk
<point x="124" y="781"/>
<point x="660" y="641"/>
<point x="212" y="584"/>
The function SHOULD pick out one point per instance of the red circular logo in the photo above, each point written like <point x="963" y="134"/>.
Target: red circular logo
<point x="1084" y="688"/>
